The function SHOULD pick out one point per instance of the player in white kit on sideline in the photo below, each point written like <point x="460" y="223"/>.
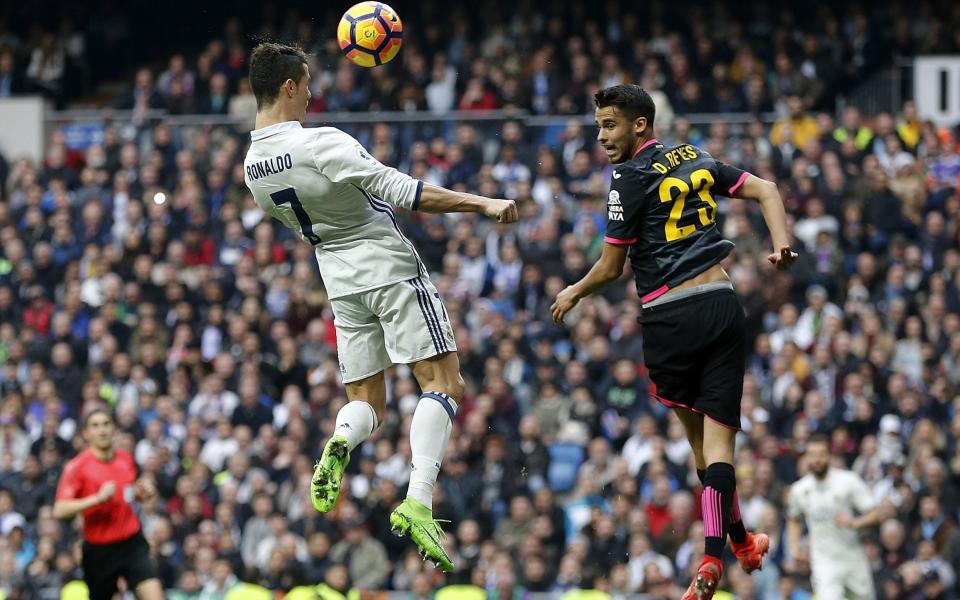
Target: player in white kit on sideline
<point x="322" y="184"/>
<point x="835" y="503"/>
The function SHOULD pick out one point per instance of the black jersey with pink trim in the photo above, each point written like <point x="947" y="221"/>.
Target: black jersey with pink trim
<point x="662" y="204"/>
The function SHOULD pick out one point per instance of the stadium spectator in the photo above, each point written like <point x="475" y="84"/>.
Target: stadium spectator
<point x="177" y="79"/>
<point x="11" y="82"/>
<point x="46" y="68"/>
<point x="192" y="331"/>
<point x="143" y="96"/>
<point x="216" y="100"/>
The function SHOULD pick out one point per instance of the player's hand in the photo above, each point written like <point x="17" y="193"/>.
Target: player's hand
<point x="106" y="491"/>
<point x="144" y="489"/>
<point x="503" y="211"/>
<point x="564" y="303"/>
<point x="783" y="259"/>
<point x="843" y="520"/>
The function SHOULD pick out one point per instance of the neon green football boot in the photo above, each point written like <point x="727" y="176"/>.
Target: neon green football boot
<point x="416" y="520"/>
<point x="325" y="485"/>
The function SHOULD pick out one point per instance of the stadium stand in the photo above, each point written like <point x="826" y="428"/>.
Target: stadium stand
<point x="136" y="271"/>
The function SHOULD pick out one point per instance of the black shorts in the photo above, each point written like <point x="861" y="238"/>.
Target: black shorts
<point x="103" y="564"/>
<point x="695" y="351"/>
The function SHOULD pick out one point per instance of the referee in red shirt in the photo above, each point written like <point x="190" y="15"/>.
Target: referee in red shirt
<point x="101" y="482"/>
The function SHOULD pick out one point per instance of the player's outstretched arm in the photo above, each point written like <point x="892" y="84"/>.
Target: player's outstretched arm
<point x="342" y="159"/>
<point x="607" y="269"/>
<point x="435" y="199"/>
<point x="771" y="205"/>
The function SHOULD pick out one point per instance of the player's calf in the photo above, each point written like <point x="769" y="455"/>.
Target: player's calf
<point x="429" y="433"/>
<point x="716" y="501"/>
<point x="356" y="421"/>
<point x="749" y="548"/>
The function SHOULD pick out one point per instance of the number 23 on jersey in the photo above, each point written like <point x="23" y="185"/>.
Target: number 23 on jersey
<point x="676" y="190"/>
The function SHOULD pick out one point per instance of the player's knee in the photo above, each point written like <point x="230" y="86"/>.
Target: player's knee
<point x="453" y="387"/>
<point x="150" y="589"/>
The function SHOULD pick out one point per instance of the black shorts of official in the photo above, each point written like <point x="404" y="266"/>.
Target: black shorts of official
<point x="695" y="351"/>
<point x="104" y="564"/>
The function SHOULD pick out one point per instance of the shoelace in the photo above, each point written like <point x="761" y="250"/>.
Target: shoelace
<point x="436" y="527"/>
<point x="433" y="526"/>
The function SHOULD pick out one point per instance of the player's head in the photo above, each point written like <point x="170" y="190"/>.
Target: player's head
<point x="279" y="73"/>
<point x="818" y="455"/>
<point x="624" y="116"/>
<point x="98" y="428"/>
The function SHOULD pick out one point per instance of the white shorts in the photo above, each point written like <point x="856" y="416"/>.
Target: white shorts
<point x="404" y="322"/>
<point x="838" y="580"/>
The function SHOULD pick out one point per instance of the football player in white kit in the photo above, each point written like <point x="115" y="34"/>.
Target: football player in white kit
<point x="835" y="503"/>
<point x="323" y="185"/>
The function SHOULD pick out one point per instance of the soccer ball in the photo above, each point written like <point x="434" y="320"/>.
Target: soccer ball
<point x="370" y="34"/>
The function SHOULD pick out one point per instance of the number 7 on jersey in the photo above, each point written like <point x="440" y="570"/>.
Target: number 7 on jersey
<point x="289" y="196"/>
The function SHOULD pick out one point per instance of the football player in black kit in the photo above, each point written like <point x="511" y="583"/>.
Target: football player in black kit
<point x="661" y="209"/>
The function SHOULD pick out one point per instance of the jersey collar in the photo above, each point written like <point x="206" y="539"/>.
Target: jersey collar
<point x="645" y="145"/>
<point x="259" y="134"/>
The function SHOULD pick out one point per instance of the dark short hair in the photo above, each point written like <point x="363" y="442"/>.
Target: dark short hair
<point x="96" y="411"/>
<point x="270" y="65"/>
<point x="819" y="438"/>
<point x="632" y="100"/>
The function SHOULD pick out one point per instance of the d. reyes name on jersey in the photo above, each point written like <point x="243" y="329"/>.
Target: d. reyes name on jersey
<point x="661" y="203"/>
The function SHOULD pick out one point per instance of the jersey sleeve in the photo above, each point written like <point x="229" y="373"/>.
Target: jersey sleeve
<point x="624" y="207"/>
<point x="729" y="179"/>
<point x="70" y="483"/>
<point x="860" y="495"/>
<point x="342" y="159"/>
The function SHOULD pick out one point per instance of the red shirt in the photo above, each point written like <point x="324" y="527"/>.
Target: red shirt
<point x="658" y="517"/>
<point x="114" y="520"/>
<point x="201" y="255"/>
<point x="38" y="315"/>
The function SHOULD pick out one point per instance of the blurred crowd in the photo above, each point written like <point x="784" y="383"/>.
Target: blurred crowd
<point x="138" y="272"/>
<point x="718" y="57"/>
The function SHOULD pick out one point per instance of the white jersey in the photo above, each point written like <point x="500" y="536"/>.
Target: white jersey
<point x="322" y="184"/>
<point x="819" y="502"/>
